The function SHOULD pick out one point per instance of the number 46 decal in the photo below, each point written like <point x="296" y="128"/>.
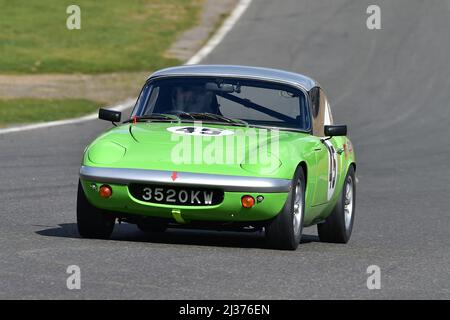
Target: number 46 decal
<point x="332" y="168"/>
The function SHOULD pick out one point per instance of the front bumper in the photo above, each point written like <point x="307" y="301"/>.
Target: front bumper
<point x="274" y="191"/>
<point x="225" y="182"/>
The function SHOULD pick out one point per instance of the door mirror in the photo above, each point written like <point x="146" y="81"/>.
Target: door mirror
<point x="109" y="115"/>
<point x="335" y="131"/>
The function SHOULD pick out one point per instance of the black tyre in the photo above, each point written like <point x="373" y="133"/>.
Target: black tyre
<point x="151" y="227"/>
<point x="91" y="221"/>
<point x="285" y="230"/>
<point x="338" y="227"/>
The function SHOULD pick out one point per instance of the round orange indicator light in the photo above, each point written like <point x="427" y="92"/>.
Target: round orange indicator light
<point x="247" y="201"/>
<point x="105" y="191"/>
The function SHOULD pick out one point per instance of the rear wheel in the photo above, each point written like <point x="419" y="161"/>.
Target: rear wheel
<point x="91" y="221"/>
<point x="338" y="227"/>
<point x="285" y="230"/>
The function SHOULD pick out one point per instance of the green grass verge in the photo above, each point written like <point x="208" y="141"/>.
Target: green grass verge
<point x="38" y="110"/>
<point x="115" y="35"/>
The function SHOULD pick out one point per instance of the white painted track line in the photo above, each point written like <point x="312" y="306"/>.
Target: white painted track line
<point x="227" y="25"/>
<point x="120" y="107"/>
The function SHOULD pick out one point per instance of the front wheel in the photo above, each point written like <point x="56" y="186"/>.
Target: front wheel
<point x="338" y="227"/>
<point x="91" y="221"/>
<point x="285" y="230"/>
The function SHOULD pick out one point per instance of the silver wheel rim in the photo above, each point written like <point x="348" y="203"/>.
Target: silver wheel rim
<point x="298" y="208"/>
<point x="348" y="202"/>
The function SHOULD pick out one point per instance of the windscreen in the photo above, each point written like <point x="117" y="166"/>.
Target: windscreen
<point x="255" y="102"/>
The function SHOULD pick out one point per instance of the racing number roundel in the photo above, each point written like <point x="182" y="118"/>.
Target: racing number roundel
<point x="200" y="131"/>
<point x="332" y="169"/>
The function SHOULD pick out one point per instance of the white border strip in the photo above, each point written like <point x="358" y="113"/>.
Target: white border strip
<point x="120" y="107"/>
<point x="227" y="25"/>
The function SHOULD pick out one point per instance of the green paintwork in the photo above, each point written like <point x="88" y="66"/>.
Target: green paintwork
<point x="229" y="210"/>
<point x="150" y="146"/>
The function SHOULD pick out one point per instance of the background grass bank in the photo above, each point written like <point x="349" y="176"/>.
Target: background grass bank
<point x="38" y="110"/>
<point x="115" y="35"/>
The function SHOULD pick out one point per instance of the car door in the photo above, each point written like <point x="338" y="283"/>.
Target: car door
<point x="325" y="153"/>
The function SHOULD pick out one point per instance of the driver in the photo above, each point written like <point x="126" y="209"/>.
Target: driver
<point x="193" y="99"/>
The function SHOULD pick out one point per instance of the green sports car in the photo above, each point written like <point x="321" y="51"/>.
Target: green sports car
<point x="222" y="147"/>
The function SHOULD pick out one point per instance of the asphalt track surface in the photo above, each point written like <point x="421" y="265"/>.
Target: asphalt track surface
<point x="391" y="86"/>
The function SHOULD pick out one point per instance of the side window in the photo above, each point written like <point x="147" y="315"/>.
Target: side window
<point x="318" y="109"/>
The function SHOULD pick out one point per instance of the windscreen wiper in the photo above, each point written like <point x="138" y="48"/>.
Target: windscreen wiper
<point x="193" y="116"/>
<point x="219" y="118"/>
<point x="240" y="122"/>
<point x="155" y="117"/>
